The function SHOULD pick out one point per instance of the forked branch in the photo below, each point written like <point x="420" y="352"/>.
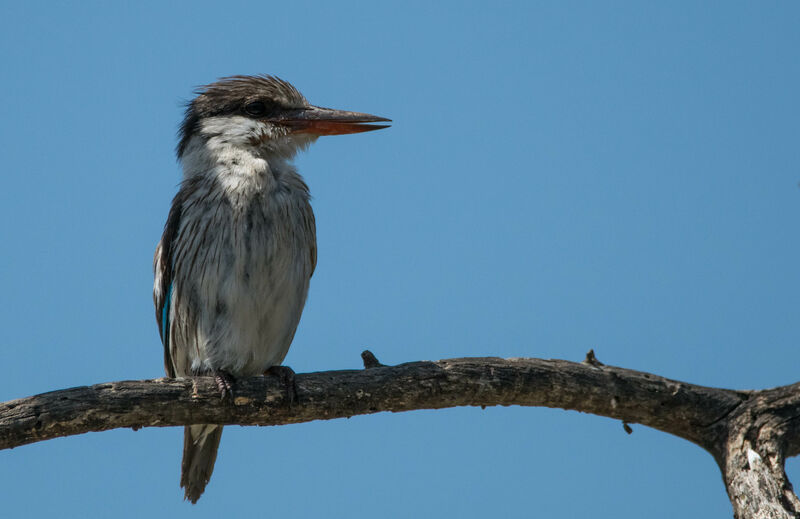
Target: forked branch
<point x="749" y="433"/>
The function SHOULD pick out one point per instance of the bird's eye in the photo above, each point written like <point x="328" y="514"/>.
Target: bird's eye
<point x="255" y="108"/>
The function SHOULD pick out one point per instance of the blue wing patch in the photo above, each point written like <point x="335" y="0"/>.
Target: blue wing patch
<point x="165" y="317"/>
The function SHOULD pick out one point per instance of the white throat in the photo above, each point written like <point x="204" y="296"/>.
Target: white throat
<point x="242" y="154"/>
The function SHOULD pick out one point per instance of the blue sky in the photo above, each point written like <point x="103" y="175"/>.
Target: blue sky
<point x="560" y="176"/>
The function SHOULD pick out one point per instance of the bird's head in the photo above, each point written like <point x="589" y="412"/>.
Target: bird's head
<point x="266" y="114"/>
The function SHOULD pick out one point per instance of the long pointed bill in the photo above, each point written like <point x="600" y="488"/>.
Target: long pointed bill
<point x="326" y="121"/>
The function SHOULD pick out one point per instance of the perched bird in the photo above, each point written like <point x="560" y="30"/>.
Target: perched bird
<point x="233" y="265"/>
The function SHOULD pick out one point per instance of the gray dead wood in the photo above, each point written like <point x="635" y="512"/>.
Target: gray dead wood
<point x="749" y="433"/>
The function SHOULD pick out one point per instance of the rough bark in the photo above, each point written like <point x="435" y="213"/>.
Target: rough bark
<point x="749" y="433"/>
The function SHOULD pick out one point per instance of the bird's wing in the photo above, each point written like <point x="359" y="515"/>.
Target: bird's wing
<point x="162" y="287"/>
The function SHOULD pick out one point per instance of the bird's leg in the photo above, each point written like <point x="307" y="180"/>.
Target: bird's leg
<point x="286" y="375"/>
<point x="225" y="383"/>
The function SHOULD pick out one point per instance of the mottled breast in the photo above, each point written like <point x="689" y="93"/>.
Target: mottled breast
<point x="243" y="257"/>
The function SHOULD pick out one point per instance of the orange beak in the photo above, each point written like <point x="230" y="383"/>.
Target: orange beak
<point x="326" y="121"/>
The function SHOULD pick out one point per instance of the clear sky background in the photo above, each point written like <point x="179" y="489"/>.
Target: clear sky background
<point x="560" y="176"/>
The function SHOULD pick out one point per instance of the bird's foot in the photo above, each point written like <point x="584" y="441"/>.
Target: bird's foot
<point x="287" y="377"/>
<point x="225" y="383"/>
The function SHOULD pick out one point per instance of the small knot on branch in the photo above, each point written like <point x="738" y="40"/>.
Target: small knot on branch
<point x="370" y="360"/>
<point x="591" y="359"/>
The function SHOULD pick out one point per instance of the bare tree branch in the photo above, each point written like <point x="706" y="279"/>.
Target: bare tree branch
<point x="749" y="433"/>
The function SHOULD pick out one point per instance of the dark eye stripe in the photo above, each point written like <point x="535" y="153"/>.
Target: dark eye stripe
<point x="255" y="108"/>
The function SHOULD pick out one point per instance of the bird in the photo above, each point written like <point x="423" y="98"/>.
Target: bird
<point x="233" y="266"/>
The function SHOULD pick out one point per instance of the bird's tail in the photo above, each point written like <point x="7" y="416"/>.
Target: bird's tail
<point x="200" y="444"/>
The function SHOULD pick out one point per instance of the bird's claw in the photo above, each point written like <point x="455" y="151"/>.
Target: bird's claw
<point x="287" y="377"/>
<point x="225" y="383"/>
